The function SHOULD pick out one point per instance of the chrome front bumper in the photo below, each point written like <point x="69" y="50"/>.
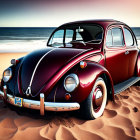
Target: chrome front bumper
<point x="40" y="105"/>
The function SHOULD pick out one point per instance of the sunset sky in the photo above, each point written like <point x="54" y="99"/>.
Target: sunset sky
<point x="52" y="13"/>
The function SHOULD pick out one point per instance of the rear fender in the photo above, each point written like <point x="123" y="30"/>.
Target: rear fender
<point x="138" y="65"/>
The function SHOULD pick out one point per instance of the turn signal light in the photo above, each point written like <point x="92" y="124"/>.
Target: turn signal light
<point x="83" y="64"/>
<point x="67" y="96"/>
<point x="14" y="61"/>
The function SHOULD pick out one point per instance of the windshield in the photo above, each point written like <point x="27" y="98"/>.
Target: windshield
<point x="70" y="35"/>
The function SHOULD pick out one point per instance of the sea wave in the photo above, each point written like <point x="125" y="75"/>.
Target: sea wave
<point x="25" y="45"/>
<point x="21" y="45"/>
<point x="23" y="38"/>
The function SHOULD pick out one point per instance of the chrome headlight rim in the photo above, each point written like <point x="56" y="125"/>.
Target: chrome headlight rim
<point x="76" y="79"/>
<point x="6" y="79"/>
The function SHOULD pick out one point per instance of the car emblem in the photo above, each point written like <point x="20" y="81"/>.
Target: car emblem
<point x="28" y="91"/>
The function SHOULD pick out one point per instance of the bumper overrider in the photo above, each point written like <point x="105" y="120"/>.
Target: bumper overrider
<point x="38" y="105"/>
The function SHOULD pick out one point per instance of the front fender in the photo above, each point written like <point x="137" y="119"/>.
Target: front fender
<point x="87" y="78"/>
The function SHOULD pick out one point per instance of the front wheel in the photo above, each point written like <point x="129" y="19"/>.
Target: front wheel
<point x="93" y="107"/>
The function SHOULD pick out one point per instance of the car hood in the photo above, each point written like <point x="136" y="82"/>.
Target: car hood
<point x="38" y="67"/>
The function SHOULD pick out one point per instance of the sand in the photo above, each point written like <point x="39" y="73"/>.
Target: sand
<point x="120" y="121"/>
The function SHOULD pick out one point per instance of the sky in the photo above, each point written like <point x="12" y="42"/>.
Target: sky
<point x="53" y="13"/>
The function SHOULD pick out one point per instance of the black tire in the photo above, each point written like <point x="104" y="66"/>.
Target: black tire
<point x="93" y="107"/>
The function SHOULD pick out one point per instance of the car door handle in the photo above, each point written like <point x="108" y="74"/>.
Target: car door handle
<point x="127" y="52"/>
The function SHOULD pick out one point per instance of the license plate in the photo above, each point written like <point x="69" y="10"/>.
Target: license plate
<point x="18" y="101"/>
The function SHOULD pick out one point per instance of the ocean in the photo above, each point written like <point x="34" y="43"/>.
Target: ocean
<point x="23" y="39"/>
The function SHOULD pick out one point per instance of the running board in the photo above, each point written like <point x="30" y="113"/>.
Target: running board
<point x="126" y="84"/>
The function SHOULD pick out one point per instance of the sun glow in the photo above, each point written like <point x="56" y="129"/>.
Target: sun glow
<point x="53" y="14"/>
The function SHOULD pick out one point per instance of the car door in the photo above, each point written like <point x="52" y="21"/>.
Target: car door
<point x="116" y="59"/>
<point x="131" y="49"/>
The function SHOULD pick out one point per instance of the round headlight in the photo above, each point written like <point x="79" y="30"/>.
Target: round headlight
<point x="7" y="74"/>
<point x="71" y="82"/>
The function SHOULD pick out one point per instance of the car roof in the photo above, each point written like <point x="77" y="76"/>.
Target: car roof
<point x="102" y="22"/>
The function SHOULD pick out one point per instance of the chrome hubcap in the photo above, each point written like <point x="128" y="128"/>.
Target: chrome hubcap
<point x="99" y="94"/>
<point x="97" y="98"/>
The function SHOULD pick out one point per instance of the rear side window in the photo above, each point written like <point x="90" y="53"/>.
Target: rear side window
<point x="109" y="40"/>
<point x="117" y="37"/>
<point x="128" y="37"/>
<point x="114" y="37"/>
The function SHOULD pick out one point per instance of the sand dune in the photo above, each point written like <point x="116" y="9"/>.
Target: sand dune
<point x="121" y="120"/>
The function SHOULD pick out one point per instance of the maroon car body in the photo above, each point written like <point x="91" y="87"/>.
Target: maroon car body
<point x="102" y="52"/>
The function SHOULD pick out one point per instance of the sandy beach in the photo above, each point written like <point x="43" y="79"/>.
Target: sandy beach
<point x="121" y="120"/>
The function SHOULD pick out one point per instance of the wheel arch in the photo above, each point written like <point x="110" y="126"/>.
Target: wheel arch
<point x="110" y="89"/>
<point x="88" y="77"/>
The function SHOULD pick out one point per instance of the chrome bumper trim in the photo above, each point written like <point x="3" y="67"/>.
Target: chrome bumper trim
<point x="48" y="106"/>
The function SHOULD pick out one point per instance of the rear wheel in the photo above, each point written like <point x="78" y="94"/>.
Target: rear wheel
<point x="93" y="107"/>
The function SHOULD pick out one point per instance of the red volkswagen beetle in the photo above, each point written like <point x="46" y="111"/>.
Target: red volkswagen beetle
<point x="84" y="65"/>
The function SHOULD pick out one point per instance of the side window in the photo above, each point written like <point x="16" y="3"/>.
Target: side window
<point x="69" y="36"/>
<point x="128" y="37"/>
<point x="57" y="38"/>
<point x="109" y="40"/>
<point x="117" y="37"/>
